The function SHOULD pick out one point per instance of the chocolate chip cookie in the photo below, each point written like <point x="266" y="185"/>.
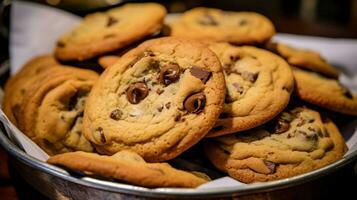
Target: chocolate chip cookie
<point x="128" y="167"/>
<point x="296" y="142"/>
<point x="303" y="58"/>
<point x="158" y="100"/>
<point x="52" y="113"/>
<point x="17" y="85"/>
<point x="104" y="32"/>
<point x="258" y="85"/>
<point x="223" y="26"/>
<point x="325" y="92"/>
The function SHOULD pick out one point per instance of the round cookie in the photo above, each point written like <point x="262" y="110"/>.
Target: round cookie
<point x="306" y="59"/>
<point x="52" y="114"/>
<point x="325" y="92"/>
<point x="296" y="142"/>
<point x="128" y="167"/>
<point x="158" y="100"/>
<point x="254" y="79"/>
<point x="17" y="85"/>
<point x="104" y="32"/>
<point x="223" y="26"/>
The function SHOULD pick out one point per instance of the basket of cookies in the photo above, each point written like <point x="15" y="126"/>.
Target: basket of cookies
<point x="132" y="103"/>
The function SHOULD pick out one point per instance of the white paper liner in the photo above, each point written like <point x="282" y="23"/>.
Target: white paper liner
<point x="35" y="29"/>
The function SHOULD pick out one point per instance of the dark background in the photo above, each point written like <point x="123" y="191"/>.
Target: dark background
<point x="328" y="18"/>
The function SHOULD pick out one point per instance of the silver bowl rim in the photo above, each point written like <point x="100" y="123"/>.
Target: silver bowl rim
<point x="28" y="160"/>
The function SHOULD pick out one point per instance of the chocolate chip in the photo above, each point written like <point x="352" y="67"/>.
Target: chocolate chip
<point x="160" y="108"/>
<point x="238" y="88"/>
<point x="243" y="22"/>
<point x="201" y="74"/>
<point x="249" y="76"/>
<point x="101" y="134"/>
<point x="169" y="74"/>
<point x="159" y="91"/>
<point x="116" y="114"/>
<point x="227" y="68"/>
<point x="136" y="92"/>
<point x="348" y="94"/>
<point x="270" y="165"/>
<point x="195" y="103"/>
<point x="167" y="105"/>
<point x="279" y="126"/>
<point x="207" y="20"/>
<point x="234" y="58"/>
<point x="60" y="44"/>
<point x="177" y="117"/>
<point x="111" y="21"/>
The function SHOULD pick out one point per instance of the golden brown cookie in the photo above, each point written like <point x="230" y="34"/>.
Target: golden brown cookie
<point x="158" y="100"/>
<point x="17" y="85"/>
<point x="128" y="167"/>
<point x="325" y="92"/>
<point x="223" y="26"/>
<point x="303" y="58"/>
<point x="53" y="110"/>
<point x="103" y="32"/>
<point x="296" y="142"/>
<point x="107" y="61"/>
<point x="254" y="79"/>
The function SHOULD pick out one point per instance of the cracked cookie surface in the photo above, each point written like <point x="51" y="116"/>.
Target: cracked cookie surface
<point x="157" y="100"/>
<point x="128" y="167"/>
<point x="303" y="58"/>
<point x="16" y="87"/>
<point x="258" y="87"/>
<point x="296" y="142"/>
<point x="52" y="113"/>
<point x="104" y="32"/>
<point x="223" y="26"/>
<point x="325" y="92"/>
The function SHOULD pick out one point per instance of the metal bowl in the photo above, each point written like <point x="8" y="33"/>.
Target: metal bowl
<point x="57" y="183"/>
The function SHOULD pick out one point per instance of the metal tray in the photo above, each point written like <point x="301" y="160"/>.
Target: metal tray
<point x="56" y="183"/>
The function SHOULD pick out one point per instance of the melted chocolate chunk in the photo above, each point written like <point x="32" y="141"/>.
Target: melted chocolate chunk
<point x="278" y="126"/>
<point x="116" y="114"/>
<point x="137" y="92"/>
<point x="111" y="21"/>
<point x="168" y="105"/>
<point x="101" y="134"/>
<point x="248" y="76"/>
<point x="160" y="108"/>
<point x="270" y="165"/>
<point x="169" y="74"/>
<point x="201" y="74"/>
<point x="195" y="103"/>
<point x="177" y="117"/>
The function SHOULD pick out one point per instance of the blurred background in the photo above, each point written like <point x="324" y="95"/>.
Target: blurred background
<point x="327" y="18"/>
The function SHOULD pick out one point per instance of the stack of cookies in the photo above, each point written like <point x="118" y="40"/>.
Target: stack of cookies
<point x="217" y="80"/>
